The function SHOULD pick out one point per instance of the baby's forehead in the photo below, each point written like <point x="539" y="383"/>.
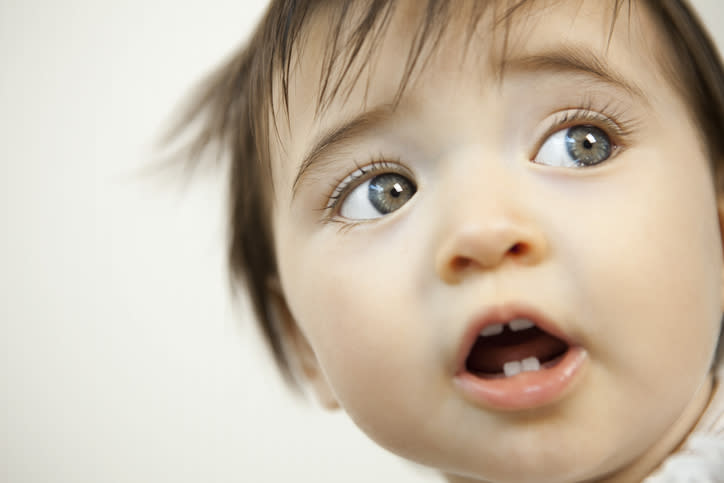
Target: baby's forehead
<point x="349" y="61"/>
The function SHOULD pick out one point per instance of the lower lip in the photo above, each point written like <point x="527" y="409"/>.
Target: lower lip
<point x="527" y="390"/>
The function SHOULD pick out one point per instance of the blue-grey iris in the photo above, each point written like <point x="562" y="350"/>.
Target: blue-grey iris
<point x="588" y="145"/>
<point x="388" y="192"/>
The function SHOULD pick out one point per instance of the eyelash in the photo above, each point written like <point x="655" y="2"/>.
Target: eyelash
<point x="603" y="118"/>
<point x="620" y="131"/>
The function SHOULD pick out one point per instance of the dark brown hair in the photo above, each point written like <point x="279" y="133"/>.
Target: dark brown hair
<point x="234" y="107"/>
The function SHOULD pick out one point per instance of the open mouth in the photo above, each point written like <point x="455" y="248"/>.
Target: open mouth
<point x="513" y="358"/>
<point x="507" y="349"/>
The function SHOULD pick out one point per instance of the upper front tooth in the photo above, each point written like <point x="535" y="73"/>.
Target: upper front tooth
<point x="520" y="324"/>
<point x="494" y="329"/>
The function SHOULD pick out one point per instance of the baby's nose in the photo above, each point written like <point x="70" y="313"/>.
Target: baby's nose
<point x="486" y="241"/>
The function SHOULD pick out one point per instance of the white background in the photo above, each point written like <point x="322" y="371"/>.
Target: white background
<point x="125" y="361"/>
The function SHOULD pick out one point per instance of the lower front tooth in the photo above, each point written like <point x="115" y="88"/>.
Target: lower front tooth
<point x="530" y="364"/>
<point x="512" y="368"/>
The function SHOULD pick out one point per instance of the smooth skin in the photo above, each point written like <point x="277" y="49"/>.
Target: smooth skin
<point x="624" y="256"/>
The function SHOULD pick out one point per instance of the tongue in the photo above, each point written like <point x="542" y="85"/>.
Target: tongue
<point x="490" y="353"/>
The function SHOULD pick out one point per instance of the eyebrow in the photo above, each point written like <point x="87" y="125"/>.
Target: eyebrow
<point x="340" y="135"/>
<point x="573" y="60"/>
<point x="561" y="60"/>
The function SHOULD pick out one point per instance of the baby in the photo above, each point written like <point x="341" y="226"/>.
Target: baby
<point x="488" y="230"/>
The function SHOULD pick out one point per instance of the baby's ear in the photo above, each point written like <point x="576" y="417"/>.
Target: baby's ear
<point x="299" y="353"/>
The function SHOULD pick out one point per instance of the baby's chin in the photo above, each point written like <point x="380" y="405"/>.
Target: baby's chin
<point x="602" y="459"/>
<point x="546" y="457"/>
<point x="561" y="468"/>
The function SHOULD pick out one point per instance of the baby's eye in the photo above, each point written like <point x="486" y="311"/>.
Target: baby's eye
<point x="576" y="147"/>
<point x="377" y="197"/>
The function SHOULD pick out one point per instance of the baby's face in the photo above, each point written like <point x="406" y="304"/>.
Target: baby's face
<point x="574" y="193"/>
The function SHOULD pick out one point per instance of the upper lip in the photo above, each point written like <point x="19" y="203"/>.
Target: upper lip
<point x="501" y="314"/>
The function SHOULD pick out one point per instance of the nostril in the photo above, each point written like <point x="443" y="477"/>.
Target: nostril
<point x="460" y="263"/>
<point x="517" y="249"/>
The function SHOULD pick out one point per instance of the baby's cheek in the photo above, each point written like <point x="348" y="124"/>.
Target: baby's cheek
<point x="652" y="334"/>
<point x="369" y="339"/>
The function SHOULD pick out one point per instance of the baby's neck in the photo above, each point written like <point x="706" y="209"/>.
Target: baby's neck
<point x="656" y="454"/>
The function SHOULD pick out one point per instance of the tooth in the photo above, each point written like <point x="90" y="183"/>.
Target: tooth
<point x="494" y="329"/>
<point x="530" y="364"/>
<point x="512" y="368"/>
<point x="520" y="324"/>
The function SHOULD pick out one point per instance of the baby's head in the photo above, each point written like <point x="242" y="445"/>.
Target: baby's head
<point x="414" y="184"/>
